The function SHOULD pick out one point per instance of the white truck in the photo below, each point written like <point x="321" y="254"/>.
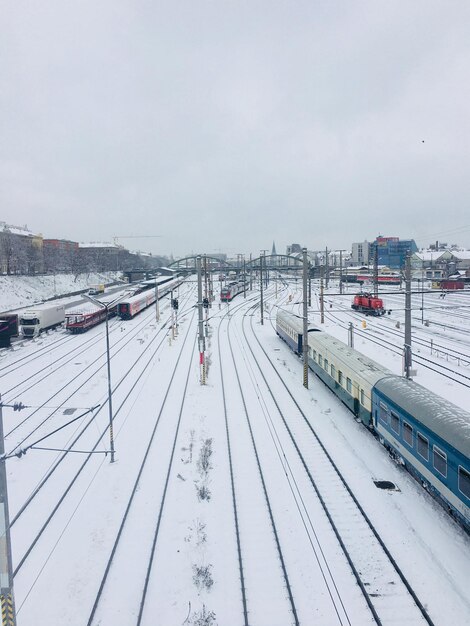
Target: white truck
<point x="35" y="320"/>
<point x="94" y="290"/>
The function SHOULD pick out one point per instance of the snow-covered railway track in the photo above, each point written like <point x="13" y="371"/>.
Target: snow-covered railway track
<point x="256" y="530"/>
<point x="33" y="422"/>
<point x="110" y="604"/>
<point x="420" y="331"/>
<point x="432" y="364"/>
<point x="10" y="364"/>
<point x="42" y="501"/>
<point x="53" y="363"/>
<point x="385" y="587"/>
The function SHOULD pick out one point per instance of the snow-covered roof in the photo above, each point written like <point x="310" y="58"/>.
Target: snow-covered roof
<point x="22" y="231"/>
<point x="461" y="255"/>
<point x="432" y="255"/>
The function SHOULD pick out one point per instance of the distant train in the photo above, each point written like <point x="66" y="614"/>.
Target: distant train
<point x="133" y="305"/>
<point x="427" y="434"/>
<point x="368" y="304"/>
<point x="85" y="316"/>
<point x="382" y="279"/>
<point x="231" y="290"/>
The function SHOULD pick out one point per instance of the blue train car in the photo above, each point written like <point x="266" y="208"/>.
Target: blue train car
<point x="430" y="436"/>
<point x="423" y="431"/>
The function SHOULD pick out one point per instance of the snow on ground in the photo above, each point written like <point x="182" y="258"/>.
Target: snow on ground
<point x="185" y="488"/>
<point x="23" y="291"/>
<point x="438" y="345"/>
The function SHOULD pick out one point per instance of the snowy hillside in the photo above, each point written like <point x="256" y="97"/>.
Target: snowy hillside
<point x="21" y="291"/>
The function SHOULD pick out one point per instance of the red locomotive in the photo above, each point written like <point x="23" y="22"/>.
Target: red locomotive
<point x="368" y="304"/>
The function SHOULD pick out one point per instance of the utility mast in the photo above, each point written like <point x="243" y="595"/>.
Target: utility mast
<point x="305" y="316"/>
<point x="6" y="570"/>
<point x="201" y="338"/>
<point x="376" y="270"/>
<point x="407" y="347"/>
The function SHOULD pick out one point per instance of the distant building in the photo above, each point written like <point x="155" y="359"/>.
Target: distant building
<point x="273" y="249"/>
<point x="362" y="253"/>
<point x="293" y="249"/>
<point x="99" y="256"/>
<point x="20" y="250"/>
<point x="392" y="250"/>
<point x="60" y="255"/>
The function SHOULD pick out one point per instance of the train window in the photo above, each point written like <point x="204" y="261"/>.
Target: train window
<point x="423" y="447"/>
<point x="325" y="364"/>
<point x="362" y="397"/>
<point x="464" y="482"/>
<point x="340" y="377"/>
<point x="320" y="360"/>
<point x="384" y="413"/>
<point x="314" y="355"/>
<point x="349" y="385"/>
<point x="333" y="372"/>
<point x="395" y="422"/>
<point x="408" y="433"/>
<point x="439" y="460"/>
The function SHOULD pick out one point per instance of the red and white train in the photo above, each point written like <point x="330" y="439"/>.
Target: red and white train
<point x="231" y="290"/>
<point x="88" y="315"/>
<point x="128" y="308"/>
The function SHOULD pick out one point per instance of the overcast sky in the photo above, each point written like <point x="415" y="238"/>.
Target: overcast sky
<point x="225" y="125"/>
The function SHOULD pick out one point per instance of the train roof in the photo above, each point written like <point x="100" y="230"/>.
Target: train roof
<point x="368" y="369"/>
<point x="82" y="309"/>
<point x="365" y="368"/>
<point x="159" y="280"/>
<point x="448" y="421"/>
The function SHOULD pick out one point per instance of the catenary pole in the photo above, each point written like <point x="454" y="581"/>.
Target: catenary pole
<point x="6" y="570"/>
<point x="327" y="268"/>
<point x="322" y="302"/>
<point x="305" y="320"/>
<point x="407" y="347"/>
<point x="201" y="339"/>
<point x="244" y="277"/>
<point x="108" y="364"/>
<point x="157" y="309"/>
<point x="341" y="271"/>
<point x="110" y="393"/>
<point x="376" y="270"/>
<point x="261" y="287"/>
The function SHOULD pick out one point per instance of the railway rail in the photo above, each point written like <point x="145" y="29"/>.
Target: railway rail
<point x="385" y="587"/>
<point x="67" y="480"/>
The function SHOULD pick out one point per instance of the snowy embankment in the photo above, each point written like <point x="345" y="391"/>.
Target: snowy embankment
<point x="22" y="291"/>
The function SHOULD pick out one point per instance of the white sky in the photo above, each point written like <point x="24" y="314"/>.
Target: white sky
<point x="225" y="126"/>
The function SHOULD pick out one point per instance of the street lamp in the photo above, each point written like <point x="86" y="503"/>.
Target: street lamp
<point x="108" y="359"/>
